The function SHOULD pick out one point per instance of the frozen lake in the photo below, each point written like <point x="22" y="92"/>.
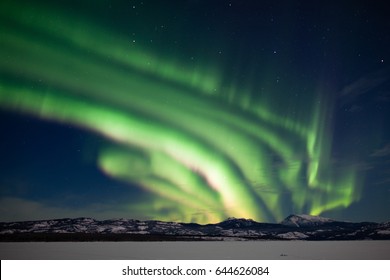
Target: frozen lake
<point x="271" y="250"/>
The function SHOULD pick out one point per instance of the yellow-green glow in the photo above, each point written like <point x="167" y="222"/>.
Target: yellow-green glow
<point x="195" y="144"/>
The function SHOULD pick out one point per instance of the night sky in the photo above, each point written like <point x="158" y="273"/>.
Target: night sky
<point x="194" y="111"/>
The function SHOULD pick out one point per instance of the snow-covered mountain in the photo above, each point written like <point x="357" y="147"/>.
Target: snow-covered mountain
<point x="294" y="227"/>
<point x="305" y="220"/>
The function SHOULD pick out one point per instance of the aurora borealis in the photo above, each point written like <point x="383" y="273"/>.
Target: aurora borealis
<point x="196" y="112"/>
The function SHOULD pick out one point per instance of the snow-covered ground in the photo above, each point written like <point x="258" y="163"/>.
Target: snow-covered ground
<point x="272" y="250"/>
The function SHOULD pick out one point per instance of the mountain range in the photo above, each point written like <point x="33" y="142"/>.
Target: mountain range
<point x="294" y="227"/>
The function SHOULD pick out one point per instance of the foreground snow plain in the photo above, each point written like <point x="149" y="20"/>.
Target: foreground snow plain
<point x="198" y="250"/>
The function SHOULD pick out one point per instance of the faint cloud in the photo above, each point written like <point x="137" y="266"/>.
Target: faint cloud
<point x="385" y="181"/>
<point x="363" y="166"/>
<point x="354" y="108"/>
<point x="363" y="85"/>
<point x="384" y="96"/>
<point x="383" y="152"/>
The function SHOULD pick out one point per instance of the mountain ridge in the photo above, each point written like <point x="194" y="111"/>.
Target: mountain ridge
<point x="293" y="227"/>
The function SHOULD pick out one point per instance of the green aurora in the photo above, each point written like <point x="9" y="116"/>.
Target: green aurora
<point x="202" y="145"/>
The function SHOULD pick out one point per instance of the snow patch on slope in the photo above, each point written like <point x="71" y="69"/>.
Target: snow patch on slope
<point x="293" y="235"/>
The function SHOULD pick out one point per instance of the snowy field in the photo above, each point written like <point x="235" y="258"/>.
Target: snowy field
<point x="272" y="250"/>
